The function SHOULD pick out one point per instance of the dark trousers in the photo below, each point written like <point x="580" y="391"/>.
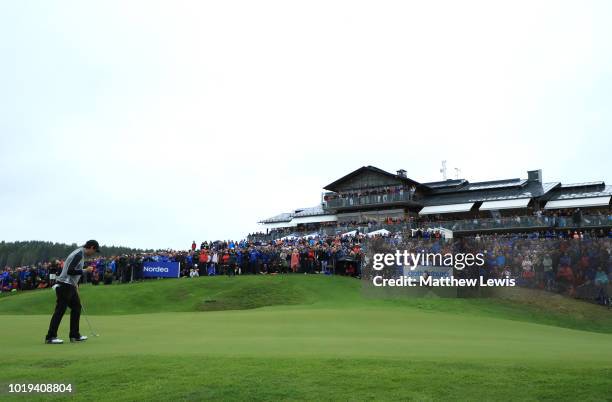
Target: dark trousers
<point x="67" y="296"/>
<point x="126" y="274"/>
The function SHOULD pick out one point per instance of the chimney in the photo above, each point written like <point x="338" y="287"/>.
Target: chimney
<point x="534" y="175"/>
<point x="401" y="173"/>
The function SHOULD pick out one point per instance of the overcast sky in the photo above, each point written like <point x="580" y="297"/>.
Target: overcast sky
<point x="154" y="123"/>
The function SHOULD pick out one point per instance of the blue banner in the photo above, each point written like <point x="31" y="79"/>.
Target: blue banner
<point x="160" y="269"/>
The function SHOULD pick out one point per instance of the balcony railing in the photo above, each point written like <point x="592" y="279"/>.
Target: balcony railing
<point x="527" y="222"/>
<point x="372" y="199"/>
<point x="465" y="225"/>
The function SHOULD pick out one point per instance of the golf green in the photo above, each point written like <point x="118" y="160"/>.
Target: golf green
<point x="308" y="338"/>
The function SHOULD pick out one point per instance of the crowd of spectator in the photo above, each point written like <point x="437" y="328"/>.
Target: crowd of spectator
<point x="122" y="268"/>
<point x="320" y="254"/>
<point x="574" y="262"/>
<point x="327" y="255"/>
<point x="381" y="191"/>
<point x="577" y="264"/>
<point x="29" y="277"/>
<point x="554" y="220"/>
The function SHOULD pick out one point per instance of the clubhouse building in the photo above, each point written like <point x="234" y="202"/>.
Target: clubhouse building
<point x="374" y="197"/>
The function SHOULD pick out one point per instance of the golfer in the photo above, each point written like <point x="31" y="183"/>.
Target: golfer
<point x="67" y="294"/>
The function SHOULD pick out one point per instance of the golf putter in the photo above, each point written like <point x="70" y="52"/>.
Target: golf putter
<point x="93" y="333"/>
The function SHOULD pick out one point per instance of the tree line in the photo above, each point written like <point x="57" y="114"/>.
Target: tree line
<point x="19" y="253"/>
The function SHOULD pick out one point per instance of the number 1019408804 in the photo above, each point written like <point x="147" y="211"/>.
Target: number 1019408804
<point x="42" y="388"/>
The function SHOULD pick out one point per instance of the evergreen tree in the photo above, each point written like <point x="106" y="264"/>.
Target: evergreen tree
<point x="20" y="253"/>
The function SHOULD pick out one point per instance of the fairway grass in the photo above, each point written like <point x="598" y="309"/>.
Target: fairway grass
<point x="314" y="338"/>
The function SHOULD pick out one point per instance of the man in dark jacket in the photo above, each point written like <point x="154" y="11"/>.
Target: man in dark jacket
<point x="67" y="294"/>
<point x="231" y="264"/>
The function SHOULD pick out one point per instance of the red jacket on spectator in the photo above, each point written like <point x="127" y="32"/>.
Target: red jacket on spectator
<point x="203" y="258"/>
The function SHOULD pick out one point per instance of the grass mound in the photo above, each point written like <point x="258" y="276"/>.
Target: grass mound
<point x="171" y="295"/>
<point x="248" y="295"/>
<point x="311" y="292"/>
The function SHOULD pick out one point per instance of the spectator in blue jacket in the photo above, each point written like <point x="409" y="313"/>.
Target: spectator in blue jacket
<point x="253" y="263"/>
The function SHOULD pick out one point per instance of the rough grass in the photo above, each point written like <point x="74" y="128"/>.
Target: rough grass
<point x="278" y="379"/>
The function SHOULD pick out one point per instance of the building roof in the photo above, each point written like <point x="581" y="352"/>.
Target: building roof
<point x="566" y="193"/>
<point x="312" y="211"/>
<point x="333" y="186"/>
<point x="446" y="183"/>
<point x="494" y="184"/>
<point x="492" y="193"/>
<point x="284" y="217"/>
<point x="586" y="184"/>
<point x="300" y="212"/>
<point x="464" y="185"/>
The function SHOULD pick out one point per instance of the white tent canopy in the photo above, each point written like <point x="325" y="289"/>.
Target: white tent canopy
<point x="578" y="202"/>
<point x="382" y="232"/>
<point x="313" y="219"/>
<point x="312" y="235"/>
<point x="505" y="204"/>
<point x="277" y="225"/>
<point x="351" y="233"/>
<point x="446" y="209"/>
